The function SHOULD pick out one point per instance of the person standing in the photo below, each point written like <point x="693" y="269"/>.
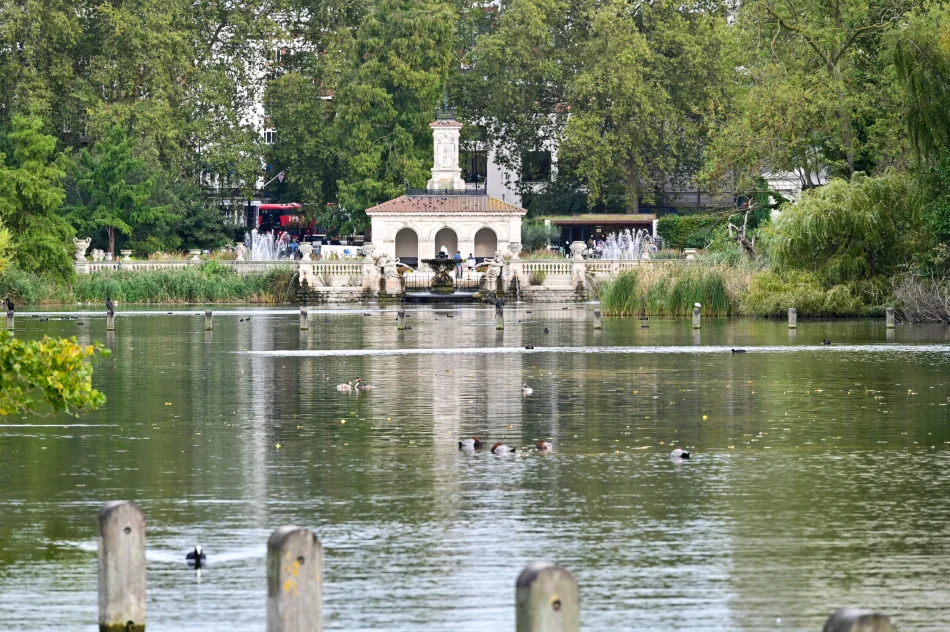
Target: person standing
<point x="471" y="264"/>
<point x="458" y="264"/>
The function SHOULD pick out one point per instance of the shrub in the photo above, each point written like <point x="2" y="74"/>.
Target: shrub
<point x="672" y="290"/>
<point x="536" y="235"/>
<point x="687" y="231"/>
<point x="537" y="277"/>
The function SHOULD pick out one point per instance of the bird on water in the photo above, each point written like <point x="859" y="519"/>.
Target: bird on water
<point x="196" y="558"/>
<point x="679" y="454"/>
<point x="526" y="390"/>
<point x="8" y="303"/>
<point x="346" y="386"/>
<point x="470" y="444"/>
<point x="362" y="386"/>
<point x="110" y="306"/>
<point x="500" y="448"/>
<point x="543" y="446"/>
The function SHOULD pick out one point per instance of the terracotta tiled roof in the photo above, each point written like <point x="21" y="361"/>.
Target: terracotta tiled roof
<point x="445" y="204"/>
<point x="445" y="123"/>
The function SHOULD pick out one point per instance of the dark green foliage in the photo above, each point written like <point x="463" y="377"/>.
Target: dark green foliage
<point x="536" y="235"/>
<point x="688" y="231"/>
<point x="668" y="290"/>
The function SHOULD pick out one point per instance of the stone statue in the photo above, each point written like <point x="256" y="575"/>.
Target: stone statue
<point x="368" y="249"/>
<point x="305" y="250"/>
<point x="495" y="267"/>
<point x="241" y="251"/>
<point x="577" y="250"/>
<point x="515" y="248"/>
<point x="81" y="246"/>
<point x="98" y="254"/>
<point x="388" y="268"/>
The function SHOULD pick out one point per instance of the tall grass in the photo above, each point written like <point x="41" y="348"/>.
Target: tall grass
<point x="672" y="290"/>
<point x="208" y="283"/>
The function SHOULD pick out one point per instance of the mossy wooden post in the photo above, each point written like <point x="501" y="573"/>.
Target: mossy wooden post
<point x="547" y="600"/>
<point x="499" y="316"/>
<point x="401" y="320"/>
<point x="304" y="320"/>
<point x="121" y="567"/>
<point x="294" y="581"/>
<point x="889" y="317"/>
<point x="209" y="320"/>
<point x="598" y="319"/>
<point x="110" y="320"/>
<point x="697" y="317"/>
<point x="792" y="318"/>
<point x="857" y="620"/>
<point x="10" y="315"/>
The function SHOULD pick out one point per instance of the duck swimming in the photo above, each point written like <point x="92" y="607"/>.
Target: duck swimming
<point x="360" y="386"/>
<point x="543" y="446"/>
<point x="526" y="390"/>
<point x="500" y="448"/>
<point x="196" y="558"/>
<point x="679" y="454"/>
<point x="738" y="351"/>
<point x="345" y="387"/>
<point x="470" y="444"/>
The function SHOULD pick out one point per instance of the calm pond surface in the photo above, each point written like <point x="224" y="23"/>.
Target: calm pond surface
<point x="819" y="477"/>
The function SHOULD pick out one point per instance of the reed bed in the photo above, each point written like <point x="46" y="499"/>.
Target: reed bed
<point x="672" y="290"/>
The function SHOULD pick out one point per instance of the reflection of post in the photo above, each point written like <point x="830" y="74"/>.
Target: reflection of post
<point x="546" y="598"/>
<point x="792" y="318"/>
<point x="10" y="316"/>
<point x="110" y="320"/>
<point x="294" y="581"/>
<point x="121" y="567"/>
<point x="499" y="316"/>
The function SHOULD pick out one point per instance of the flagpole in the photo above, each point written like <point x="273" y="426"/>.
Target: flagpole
<point x="272" y="179"/>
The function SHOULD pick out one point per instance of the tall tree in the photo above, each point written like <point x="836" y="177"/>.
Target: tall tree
<point x="115" y="188"/>
<point x="31" y="193"/>
<point x="387" y="96"/>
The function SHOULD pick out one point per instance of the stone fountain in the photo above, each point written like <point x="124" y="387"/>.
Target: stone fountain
<point x="444" y="269"/>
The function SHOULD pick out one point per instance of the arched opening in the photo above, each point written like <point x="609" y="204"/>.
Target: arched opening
<point x="446" y="237"/>
<point x="486" y="243"/>
<point x="407" y="246"/>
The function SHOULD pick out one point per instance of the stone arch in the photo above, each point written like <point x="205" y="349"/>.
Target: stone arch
<point x="407" y="245"/>
<point x="486" y="242"/>
<point x="446" y="236"/>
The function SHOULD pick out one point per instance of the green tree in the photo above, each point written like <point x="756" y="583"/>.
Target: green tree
<point x="387" y="96"/>
<point x="114" y="189"/>
<point x="6" y="248"/>
<point x="31" y="193"/>
<point x="922" y="60"/>
<point x="57" y="371"/>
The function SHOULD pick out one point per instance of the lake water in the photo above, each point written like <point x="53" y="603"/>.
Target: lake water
<point x="819" y="477"/>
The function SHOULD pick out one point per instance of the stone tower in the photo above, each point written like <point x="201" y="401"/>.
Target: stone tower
<point x="446" y="173"/>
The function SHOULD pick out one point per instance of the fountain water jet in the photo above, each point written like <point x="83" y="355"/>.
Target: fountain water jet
<point x="625" y="244"/>
<point x="266" y="246"/>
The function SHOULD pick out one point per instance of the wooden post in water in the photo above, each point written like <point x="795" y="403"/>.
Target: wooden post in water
<point x="294" y="581"/>
<point x="10" y="315"/>
<point x="792" y="318"/>
<point x="547" y="600"/>
<point x="697" y="317"/>
<point x="598" y="319"/>
<point x="304" y="319"/>
<point x="209" y="320"/>
<point x="121" y="567"/>
<point x="857" y="620"/>
<point x="499" y="316"/>
<point x="401" y="320"/>
<point x="110" y="320"/>
<point x="889" y="317"/>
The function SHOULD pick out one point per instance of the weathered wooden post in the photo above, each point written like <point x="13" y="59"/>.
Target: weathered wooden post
<point x="598" y="320"/>
<point x="10" y="315"/>
<point x="304" y="319"/>
<point x="547" y="599"/>
<point x="110" y="320"/>
<point x="792" y="318"/>
<point x="857" y="620"/>
<point x="209" y="320"/>
<point x="294" y="581"/>
<point x="121" y="567"/>
<point x="889" y="317"/>
<point x="697" y="316"/>
<point x="401" y="320"/>
<point x="499" y="316"/>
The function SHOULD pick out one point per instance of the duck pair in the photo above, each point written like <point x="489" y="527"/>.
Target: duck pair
<point x="350" y="385"/>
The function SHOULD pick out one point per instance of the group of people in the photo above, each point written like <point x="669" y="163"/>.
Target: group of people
<point x="469" y="263"/>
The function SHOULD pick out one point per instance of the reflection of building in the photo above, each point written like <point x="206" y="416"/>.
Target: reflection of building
<point x="418" y="224"/>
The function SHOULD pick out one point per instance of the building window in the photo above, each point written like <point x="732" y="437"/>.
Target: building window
<point x="474" y="166"/>
<point x="536" y="166"/>
<point x="270" y="135"/>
